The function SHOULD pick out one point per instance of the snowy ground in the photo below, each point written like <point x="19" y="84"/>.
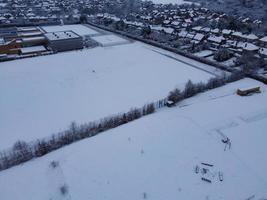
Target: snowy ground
<point x="155" y="156"/>
<point x="79" y="29"/>
<point x="42" y="95"/>
<point x="110" y="40"/>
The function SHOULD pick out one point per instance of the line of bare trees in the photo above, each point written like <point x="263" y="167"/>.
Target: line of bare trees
<point x="23" y="151"/>
<point x="191" y="89"/>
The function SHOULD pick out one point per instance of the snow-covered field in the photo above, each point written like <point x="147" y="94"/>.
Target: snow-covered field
<point x="77" y="28"/>
<point x="155" y="157"/>
<point x="42" y="95"/>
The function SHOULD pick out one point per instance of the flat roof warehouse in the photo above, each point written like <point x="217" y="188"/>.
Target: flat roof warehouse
<point x="64" y="41"/>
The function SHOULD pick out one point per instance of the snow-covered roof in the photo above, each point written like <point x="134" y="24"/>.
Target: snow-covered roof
<point x="199" y="36"/>
<point x="263" y="51"/>
<point x="33" y="39"/>
<point x="61" y="35"/>
<point x="216" y="30"/>
<point x="184" y="25"/>
<point x="217" y="39"/>
<point x="238" y="34"/>
<point x="76" y="28"/>
<point x="2" y="41"/>
<point x="175" y="23"/>
<point x="264" y="39"/>
<point x="232" y="42"/>
<point x="33" y="33"/>
<point x="160" y="28"/>
<point x="3" y="4"/>
<point x="190" y="35"/>
<point x="248" y="46"/>
<point x="182" y="33"/>
<point x="226" y="31"/>
<point x="197" y="28"/>
<point x="168" y="30"/>
<point x="166" y="21"/>
<point x="206" y="29"/>
<point x="32" y="49"/>
<point x="188" y="20"/>
<point x="116" y="19"/>
<point x="3" y="55"/>
<point x="27" y="29"/>
<point x="251" y="37"/>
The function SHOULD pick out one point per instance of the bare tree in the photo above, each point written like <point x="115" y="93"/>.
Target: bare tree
<point x="175" y="95"/>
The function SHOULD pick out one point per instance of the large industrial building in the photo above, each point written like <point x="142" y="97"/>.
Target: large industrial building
<point x="10" y="47"/>
<point x="8" y="33"/>
<point x="20" y="41"/>
<point x="14" y="39"/>
<point x="64" y="41"/>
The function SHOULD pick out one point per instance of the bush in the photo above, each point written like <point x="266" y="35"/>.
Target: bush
<point x="22" y="151"/>
<point x="215" y="82"/>
<point x="250" y="62"/>
<point x="148" y="109"/>
<point x="190" y="89"/>
<point x="175" y="96"/>
<point x="120" y="25"/>
<point x="222" y="55"/>
<point x="146" y="31"/>
<point x="200" y="87"/>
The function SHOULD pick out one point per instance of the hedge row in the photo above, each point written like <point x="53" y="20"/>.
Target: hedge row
<point x="192" y="89"/>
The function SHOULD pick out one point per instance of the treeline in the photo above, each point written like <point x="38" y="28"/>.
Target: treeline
<point x="22" y="151"/>
<point x="191" y="89"/>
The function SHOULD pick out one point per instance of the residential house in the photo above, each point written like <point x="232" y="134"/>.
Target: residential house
<point x="263" y="52"/>
<point x="216" y="41"/>
<point x="263" y="41"/>
<point x="248" y="47"/>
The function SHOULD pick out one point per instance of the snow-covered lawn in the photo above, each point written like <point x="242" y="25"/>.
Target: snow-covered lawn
<point x="42" y="95"/>
<point x="77" y="28"/>
<point x="155" y="156"/>
<point x="110" y="40"/>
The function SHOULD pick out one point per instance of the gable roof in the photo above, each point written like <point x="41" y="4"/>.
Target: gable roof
<point x="264" y="39"/>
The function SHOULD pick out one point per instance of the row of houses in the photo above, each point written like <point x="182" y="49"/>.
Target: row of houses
<point x="235" y="41"/>
<point x="43" y="12"/>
